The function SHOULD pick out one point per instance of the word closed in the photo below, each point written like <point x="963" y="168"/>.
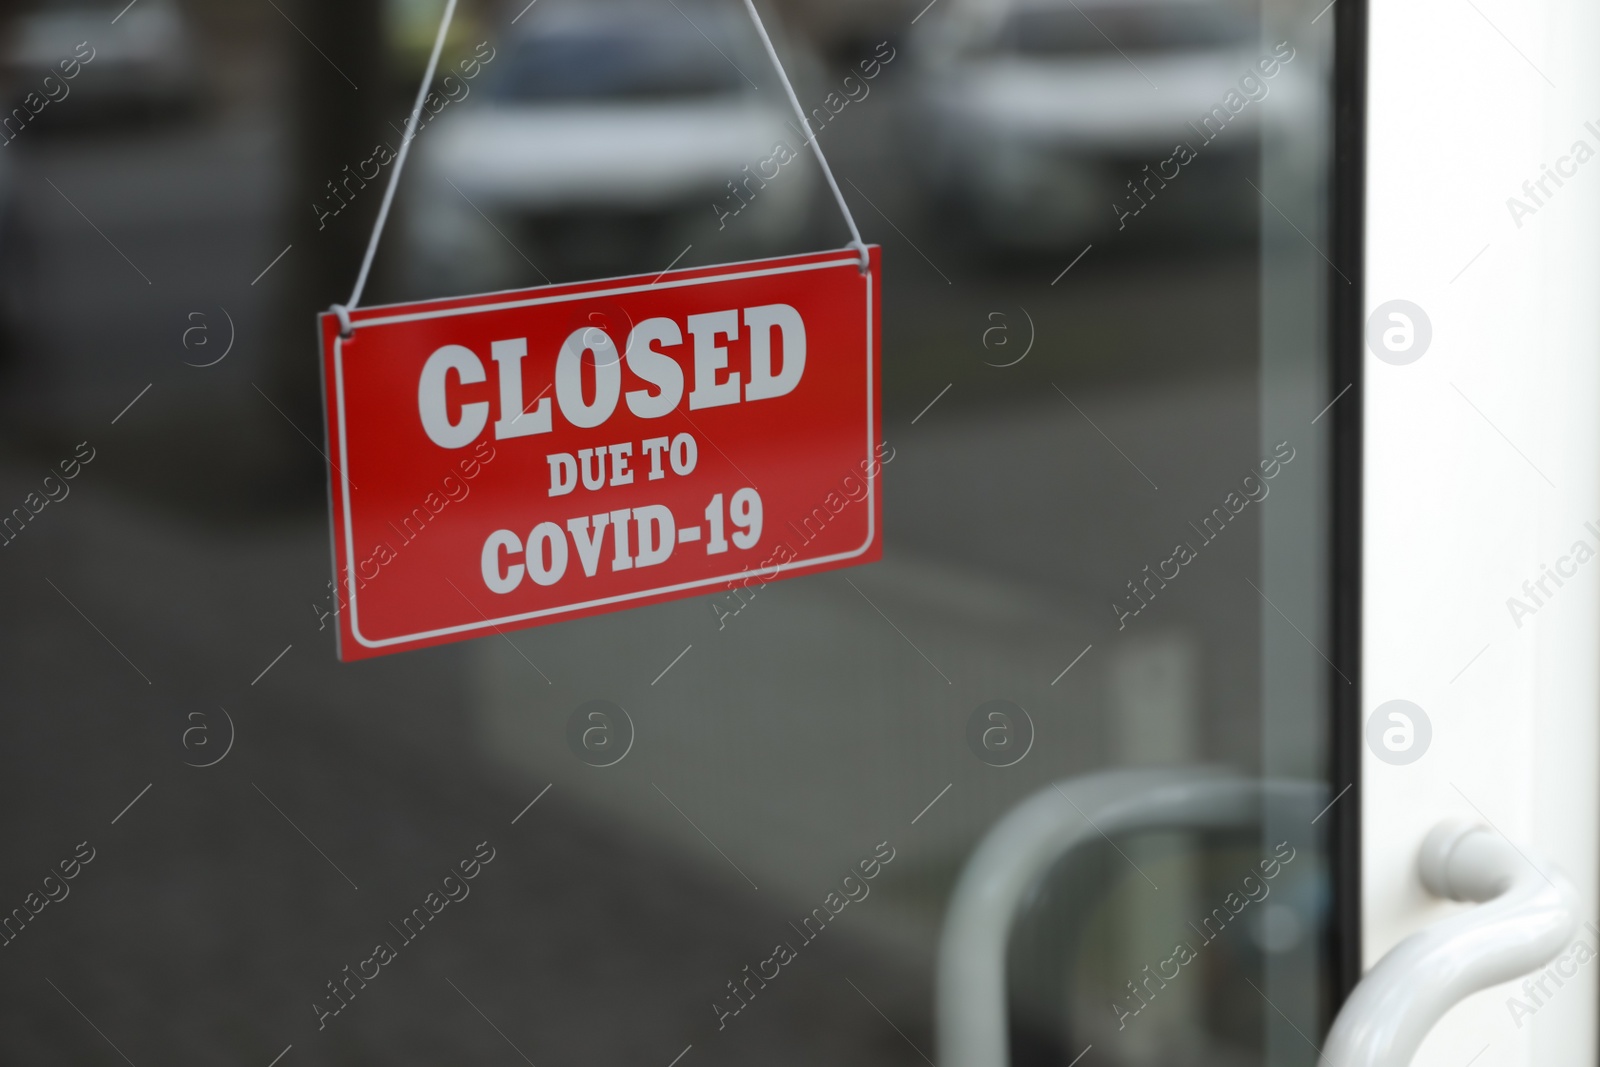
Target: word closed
<point x="653" y="438"/>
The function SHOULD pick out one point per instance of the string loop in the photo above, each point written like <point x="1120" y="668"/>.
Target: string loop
<point x="343" y="311"/>
<point x="347" y="328"/>
<point x="811" y="138"/>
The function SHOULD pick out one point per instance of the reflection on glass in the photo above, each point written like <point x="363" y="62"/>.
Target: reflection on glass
<point x="727" y="828"/>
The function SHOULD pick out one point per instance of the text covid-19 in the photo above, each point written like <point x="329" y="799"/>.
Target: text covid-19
<point x="595" y="378"/>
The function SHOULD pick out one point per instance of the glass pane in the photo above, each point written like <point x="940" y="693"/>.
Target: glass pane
<point x="1050" y="776"/>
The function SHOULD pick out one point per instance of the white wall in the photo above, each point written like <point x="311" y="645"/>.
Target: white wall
<point x="1481" y="465"/>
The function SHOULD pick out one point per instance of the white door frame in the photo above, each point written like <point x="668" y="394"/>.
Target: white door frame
<point x="1481" y="467"/>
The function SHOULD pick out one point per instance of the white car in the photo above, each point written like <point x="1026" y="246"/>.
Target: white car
<point x="1045" y="123"/>
<point x="606" y="137"/>
<point x="139" y="57"/>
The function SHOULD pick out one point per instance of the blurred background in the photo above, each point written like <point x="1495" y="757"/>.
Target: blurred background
<point x="1089" y="341"/>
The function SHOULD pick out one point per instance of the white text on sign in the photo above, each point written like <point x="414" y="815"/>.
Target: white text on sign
<point x="681" y="452"/>
<point x="451" y="423"/>
<point x="507" y="559"/>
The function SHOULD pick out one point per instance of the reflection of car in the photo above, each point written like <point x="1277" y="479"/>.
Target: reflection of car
<point x="144" y="56"/>
<point x="609" y="136"/>
<point x="1044" y="120"/>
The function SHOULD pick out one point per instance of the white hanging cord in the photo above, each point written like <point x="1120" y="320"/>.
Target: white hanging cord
<point x="856" y="242"/>
<point x="343" y="311"/>
<point x="346" y="329"/>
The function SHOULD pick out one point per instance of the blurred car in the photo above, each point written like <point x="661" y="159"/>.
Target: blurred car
<point x="1043" y="120"/>
<point x="604" y="138"/>
<point x="139" y="57"/>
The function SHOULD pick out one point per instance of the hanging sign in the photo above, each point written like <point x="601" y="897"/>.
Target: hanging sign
<point x="504" y="461"/>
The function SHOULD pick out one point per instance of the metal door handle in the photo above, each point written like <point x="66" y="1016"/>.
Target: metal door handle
<point x="1528" y="914"/>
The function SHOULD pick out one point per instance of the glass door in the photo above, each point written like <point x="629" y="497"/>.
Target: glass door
<point x="1102" y="650"/>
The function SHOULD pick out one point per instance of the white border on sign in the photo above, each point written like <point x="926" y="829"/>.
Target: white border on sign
<point x="853" y="262"/>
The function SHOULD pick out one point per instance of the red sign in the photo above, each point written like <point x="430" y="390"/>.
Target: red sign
<point x="526" y="457"/>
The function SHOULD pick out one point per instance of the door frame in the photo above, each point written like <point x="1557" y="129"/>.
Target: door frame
<point x="1346" y="303"/>
<point x="1478" y="464"/>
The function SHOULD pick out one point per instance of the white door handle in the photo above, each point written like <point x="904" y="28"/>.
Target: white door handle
<point x="1019" y="850"/>
<point x="1528" y="914"/>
